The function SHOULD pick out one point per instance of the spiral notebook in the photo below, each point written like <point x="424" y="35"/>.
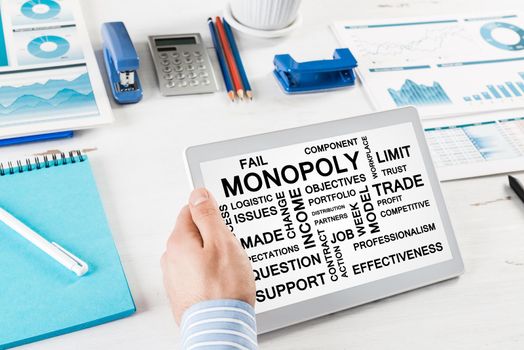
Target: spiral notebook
<point x="57" y="197"/>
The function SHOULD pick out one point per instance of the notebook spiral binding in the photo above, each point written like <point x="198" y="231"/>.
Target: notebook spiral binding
<point x="37" y="162"/>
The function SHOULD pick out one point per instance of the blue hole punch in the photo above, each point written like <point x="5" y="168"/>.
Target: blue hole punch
<point x="295" y="77"/>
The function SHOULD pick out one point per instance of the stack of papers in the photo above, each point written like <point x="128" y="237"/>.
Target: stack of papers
<point x="449" y="67"/>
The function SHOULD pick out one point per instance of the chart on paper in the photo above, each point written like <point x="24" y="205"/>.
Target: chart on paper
<point x="49" y="45"/>
<point x="49" y="79"/>
<point x="30" y="12"/>
<point x="35" y="96"/>
<point x="476" y="146"/>
<point x="443" y="65"/>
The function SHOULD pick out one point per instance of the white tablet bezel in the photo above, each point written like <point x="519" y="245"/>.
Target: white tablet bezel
<point x="323" y="305"/>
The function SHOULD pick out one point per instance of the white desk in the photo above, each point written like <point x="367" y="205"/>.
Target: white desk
<point x="140" y="174"/>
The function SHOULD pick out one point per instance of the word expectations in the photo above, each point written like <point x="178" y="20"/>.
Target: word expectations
<point x="327" y="215"/>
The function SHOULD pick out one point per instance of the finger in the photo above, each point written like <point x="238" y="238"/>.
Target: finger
<point x="163" y="262"/>
<point x="186" y="232"/>
<point x="206" y="215"/>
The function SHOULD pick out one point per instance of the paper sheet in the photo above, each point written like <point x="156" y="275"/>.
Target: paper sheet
<point x="472" y="146"/>
<point x="49" y="78"/>
<point x="444" y="65"/>
<point x="464" y="75"/>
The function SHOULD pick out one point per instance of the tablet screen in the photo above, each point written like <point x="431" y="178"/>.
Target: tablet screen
<point x="322" y="216"/>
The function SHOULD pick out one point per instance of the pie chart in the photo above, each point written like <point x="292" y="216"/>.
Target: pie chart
<point x="504" y="36"/>
<point x="40" y="9"/>
<point x="48" y="46"/>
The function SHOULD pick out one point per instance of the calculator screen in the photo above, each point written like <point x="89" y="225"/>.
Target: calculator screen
<point x="176" y="41"/>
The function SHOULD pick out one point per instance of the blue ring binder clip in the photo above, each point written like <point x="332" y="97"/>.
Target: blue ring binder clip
<point x="122" y="63"/>
<point x="295" y="77"/>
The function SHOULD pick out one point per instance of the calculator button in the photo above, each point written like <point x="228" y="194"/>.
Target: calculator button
<point x="190" y="67"/>
<point x="175" y="54"/>
<point x="162" y="55"/>
<point x="186" y="54"/>
<point x="168" y="76"/>
<point x="197" y="53"/>
<point x="165" y="62"/>
<point x="188" y="60"/>
<point x="182" y="84"/>
<point x="180" y="76"/>
<point x="201" y="66"/>
<point x="166" y="69"/>
<point x="200" y="60"/>
<point x="178" y="68"/>
<point x="192" y="75"/>
<point x="204" y="74"/>
<point x="170" y="84"/>
<point x="205" y="81"/>
<point x="177" y="61"/>
<point x="193" y="83"/>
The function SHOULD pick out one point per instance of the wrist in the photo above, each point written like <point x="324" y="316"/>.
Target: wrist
<point x="219" y="322"/>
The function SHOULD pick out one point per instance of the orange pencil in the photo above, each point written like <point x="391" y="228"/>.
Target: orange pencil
<point x="235" y="75"/>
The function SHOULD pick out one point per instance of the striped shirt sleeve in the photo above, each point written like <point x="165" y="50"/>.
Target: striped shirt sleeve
<point x="219" y="325"/>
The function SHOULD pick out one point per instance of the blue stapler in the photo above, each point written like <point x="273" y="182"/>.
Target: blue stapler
<point x="295" y="77"/>
<point x="122" y="63"/>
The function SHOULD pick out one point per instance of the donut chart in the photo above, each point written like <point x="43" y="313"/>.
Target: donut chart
<point x="48" y="46"/>
<point x="40" y="9"/>
<point x="487" y="33"/>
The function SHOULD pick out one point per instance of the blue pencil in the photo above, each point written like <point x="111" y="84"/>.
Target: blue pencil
<point x="221" y="60"/>
<point x="236" y="54"/>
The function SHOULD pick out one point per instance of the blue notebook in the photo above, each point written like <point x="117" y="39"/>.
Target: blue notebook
<point x="39" y="298"/>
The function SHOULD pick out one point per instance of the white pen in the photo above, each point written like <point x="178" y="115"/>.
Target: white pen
<point x="52" y="249"/>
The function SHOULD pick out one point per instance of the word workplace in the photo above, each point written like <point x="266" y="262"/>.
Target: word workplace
<point x="319" y="217"/>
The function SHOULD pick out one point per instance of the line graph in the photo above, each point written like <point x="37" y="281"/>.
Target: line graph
<point x="431" y="41"/>
<point x="56" y="98"/>
<point x="404" y="45"/>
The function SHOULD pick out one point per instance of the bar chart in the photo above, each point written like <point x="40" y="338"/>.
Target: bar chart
<point x="412" y="93"/>
<point x="504" y="90"/>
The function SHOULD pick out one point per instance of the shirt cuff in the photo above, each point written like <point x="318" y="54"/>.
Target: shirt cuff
<point x="219" y="324"/>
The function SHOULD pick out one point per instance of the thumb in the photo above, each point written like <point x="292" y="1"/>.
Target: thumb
<point x="206" y="214"/>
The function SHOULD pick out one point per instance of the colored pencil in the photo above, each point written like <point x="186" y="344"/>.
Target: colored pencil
<point x="237" y="82"/>
<point x="238" y="59"/>
<point x="221" y="60"/>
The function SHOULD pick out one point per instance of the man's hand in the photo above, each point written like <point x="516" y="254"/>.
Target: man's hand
<point x="203" y="260"/>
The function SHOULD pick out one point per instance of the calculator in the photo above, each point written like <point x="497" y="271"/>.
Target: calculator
<point x="182" y="64"/>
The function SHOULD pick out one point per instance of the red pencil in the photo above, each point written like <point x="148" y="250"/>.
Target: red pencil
<point x="235" y="74"/>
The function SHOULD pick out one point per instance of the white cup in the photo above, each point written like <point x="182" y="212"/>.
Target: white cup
<point x="265" y="14"/>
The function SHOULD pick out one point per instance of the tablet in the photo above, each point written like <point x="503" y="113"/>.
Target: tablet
<point x="332" y="215"/>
